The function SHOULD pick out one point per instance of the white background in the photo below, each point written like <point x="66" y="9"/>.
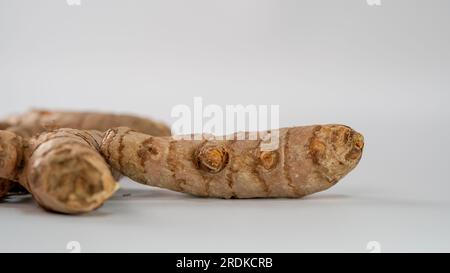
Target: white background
<point x="384" y="70"/>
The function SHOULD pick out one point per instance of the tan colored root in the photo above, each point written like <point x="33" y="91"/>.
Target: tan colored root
<point x="11" y="150"/>
<point x="65" y="173"/>
<point x="309" y="159"/>
<point x="37" y="121"/>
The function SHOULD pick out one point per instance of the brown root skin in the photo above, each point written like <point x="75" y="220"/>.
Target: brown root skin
<point x="37" y="121"/>
<point x="62" y="169"/>
<point x="4" y="125"/>
<point x="309" y="159"/>
<point x="11" y="150"/>
<point x="34" y="122"/>
<point x="5" y="186"/>
<point x="65" y="173"/>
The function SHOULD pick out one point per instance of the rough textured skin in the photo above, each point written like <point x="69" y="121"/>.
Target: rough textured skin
<point x="38" y="121"/>
<point x="309" y="159"/>
<point x="65" y="173"/>
<point x="35" y="122"/>
<point x="11" y="148"/>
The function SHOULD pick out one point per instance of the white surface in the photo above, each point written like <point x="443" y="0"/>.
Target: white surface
<point x="382" y="70"/>
<point x="153" y="220"/>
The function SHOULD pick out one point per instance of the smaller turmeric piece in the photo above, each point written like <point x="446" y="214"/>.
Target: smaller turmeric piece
<point x="62" y="169"/>
<point x="309" y="159"/>
<point x="24" y="126"/>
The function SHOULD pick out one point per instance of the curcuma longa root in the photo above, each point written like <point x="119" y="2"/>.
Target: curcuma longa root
<point x="65" y="172"/>
<point x="309" y="159"/>
<point x="35" y="122"/>
<point x="62" y="169"/>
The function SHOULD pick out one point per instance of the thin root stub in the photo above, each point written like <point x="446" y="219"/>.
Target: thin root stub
<point x="211" y="158"/>
<point x="269" y="159"/>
